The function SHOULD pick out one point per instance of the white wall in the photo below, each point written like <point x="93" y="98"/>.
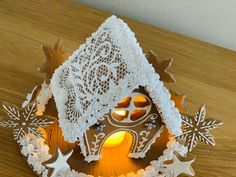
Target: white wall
<point x="213" y="21"/>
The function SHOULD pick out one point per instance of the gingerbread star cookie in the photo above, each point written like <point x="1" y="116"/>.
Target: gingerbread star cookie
<point x="180" y="165"/>
<point x="197" y="128"/>
<point x="25" y="120"/>
<point x="58" y="162"/>
<point x="161" y="66"/>
<point x="178" y="99"/>
<point x="55" y="56"/>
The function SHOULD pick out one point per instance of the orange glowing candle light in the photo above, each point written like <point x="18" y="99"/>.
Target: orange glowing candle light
<point x="115" y="139"/>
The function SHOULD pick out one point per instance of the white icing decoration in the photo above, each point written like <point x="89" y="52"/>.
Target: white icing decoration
<point x="95" y="143"/>
<point x="148" y="146"/>
<point x="45" y="94"/>
<point x="24" y="121"/>
<point x="102" y="72"/>
<point x="28" y="97"/>
<point x="42" y="99"/>
<point x="61" y="163"/>
<point x="36" y="152"/>
<point x="143" y="134"/>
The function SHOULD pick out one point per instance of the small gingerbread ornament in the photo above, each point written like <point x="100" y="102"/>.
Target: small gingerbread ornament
<point x="58" y="162"/>
<point x="55" y="56"/>
<point x="24" y="120"/>
<point x="197" y="128"/>
<point x="178" y="99"/>
<point x="179" y="165"/>
<point x="161" y="66"/>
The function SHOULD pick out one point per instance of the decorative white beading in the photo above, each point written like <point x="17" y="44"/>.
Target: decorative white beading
<point x="36" y="152"/>
<point x="45" y="94"/>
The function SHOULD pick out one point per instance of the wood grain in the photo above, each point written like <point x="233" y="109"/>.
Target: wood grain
<point x="206" y="73"/>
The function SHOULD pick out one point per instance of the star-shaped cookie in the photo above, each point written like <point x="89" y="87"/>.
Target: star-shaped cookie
<point x="179" y="165"/>
<point x="58" y="162"/>
<point x="197" y="128"/>
<point x="178" y="99"/>
<point x="25" y="120"/>
<point x="55" y="56"/>
<point x="161" y="66"/>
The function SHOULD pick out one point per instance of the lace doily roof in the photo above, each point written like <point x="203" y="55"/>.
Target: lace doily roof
<point x="108" y="67"/>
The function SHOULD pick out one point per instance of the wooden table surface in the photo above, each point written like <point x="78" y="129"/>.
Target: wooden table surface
<point x="206" y="73"/>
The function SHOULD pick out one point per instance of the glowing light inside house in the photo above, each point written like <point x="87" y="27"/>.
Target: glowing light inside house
<point x="120" y="112"/>
<point x="115" y="139"/>
<point x="140" y="101"/>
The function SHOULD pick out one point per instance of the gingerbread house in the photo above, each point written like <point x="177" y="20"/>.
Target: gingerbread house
<point x="107" y="86"/>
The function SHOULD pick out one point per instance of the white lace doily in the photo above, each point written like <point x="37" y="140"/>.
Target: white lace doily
<point x="108" y="67"/>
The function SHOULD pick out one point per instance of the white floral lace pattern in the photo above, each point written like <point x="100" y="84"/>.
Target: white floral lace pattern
<point x="102" y="72"/>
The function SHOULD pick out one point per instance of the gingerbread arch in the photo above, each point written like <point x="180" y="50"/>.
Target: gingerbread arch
<point x="144" y="130"/>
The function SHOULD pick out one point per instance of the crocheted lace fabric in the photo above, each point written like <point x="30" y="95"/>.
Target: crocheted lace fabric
<point x="108" y="67"/>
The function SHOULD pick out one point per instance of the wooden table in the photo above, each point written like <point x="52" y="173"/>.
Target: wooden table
<point x="206" y="73"/>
